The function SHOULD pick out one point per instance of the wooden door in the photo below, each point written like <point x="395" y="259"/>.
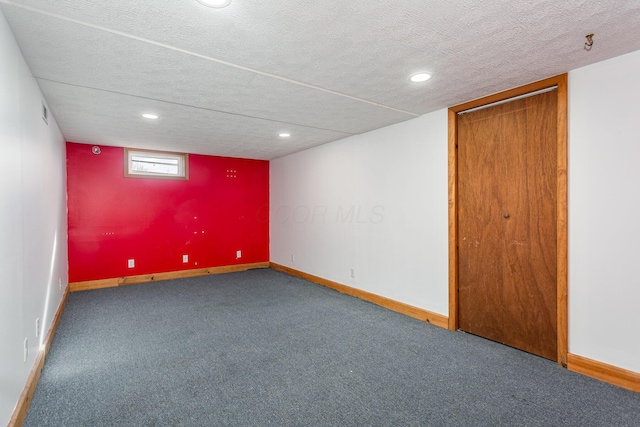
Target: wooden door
<point x="507" y="256"/>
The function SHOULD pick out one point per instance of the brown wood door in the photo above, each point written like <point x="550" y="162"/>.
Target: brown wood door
<point x="507" y="223"/>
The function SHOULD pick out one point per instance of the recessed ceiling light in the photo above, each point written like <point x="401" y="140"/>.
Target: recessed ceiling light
<point x="215" y="3"/>
<point x="284" y="135"/>
<point x="420" y="77"/>
<point x="150" y="116"/>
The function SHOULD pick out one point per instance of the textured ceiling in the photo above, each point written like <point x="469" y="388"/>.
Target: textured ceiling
<point x="227" y="81"/>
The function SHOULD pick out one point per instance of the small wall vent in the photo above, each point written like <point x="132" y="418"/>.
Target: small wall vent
<point x="45" y="115"/>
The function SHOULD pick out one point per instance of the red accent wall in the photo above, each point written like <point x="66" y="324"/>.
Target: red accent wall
<point x="222" y="208"/>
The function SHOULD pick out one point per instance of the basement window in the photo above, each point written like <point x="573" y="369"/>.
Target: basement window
<point x="155" y="164"/>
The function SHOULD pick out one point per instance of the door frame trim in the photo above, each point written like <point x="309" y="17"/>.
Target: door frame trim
<point x="561" y="208"/>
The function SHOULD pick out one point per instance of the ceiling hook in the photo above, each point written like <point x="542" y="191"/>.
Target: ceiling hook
<point x="589" y="42"/>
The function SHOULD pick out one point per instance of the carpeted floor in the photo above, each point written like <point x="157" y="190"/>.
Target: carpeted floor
<point x="262" y="348"/>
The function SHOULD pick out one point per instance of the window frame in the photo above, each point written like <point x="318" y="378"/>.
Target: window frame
<point x="183" y="164"/>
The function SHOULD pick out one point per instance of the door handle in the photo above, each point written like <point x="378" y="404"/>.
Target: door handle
<point x="506" y="215"/>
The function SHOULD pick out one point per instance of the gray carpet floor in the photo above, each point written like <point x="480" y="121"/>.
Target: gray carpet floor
<point x="261" y="348"/>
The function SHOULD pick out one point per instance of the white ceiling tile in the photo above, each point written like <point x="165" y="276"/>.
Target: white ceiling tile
<point x="103" y="118"/>
<point x="334" y="65"/>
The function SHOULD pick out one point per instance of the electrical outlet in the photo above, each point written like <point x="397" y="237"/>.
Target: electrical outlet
<point x="37" y="327"/>
<point x="60" y="284"/>
<point x="26" y="349"/>
<point x="238" y="254"/>
<point x="292" y="258"/>
<point x="185" y="259"/>
<point x="353" y="273"/>
<point x="131" y="263"/>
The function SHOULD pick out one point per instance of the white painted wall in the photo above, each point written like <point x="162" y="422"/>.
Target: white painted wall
<point x="402" y="170"/>
<point x="375" y="202"/>
<point x="604" y="211"/>
<point x="33" y="224"/>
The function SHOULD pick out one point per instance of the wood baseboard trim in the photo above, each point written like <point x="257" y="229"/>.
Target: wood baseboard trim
<point x="20" y="412"/>
<point x="145" y="278"/>
<point x="604" y="372"/>
<point x="400" y="307"/>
